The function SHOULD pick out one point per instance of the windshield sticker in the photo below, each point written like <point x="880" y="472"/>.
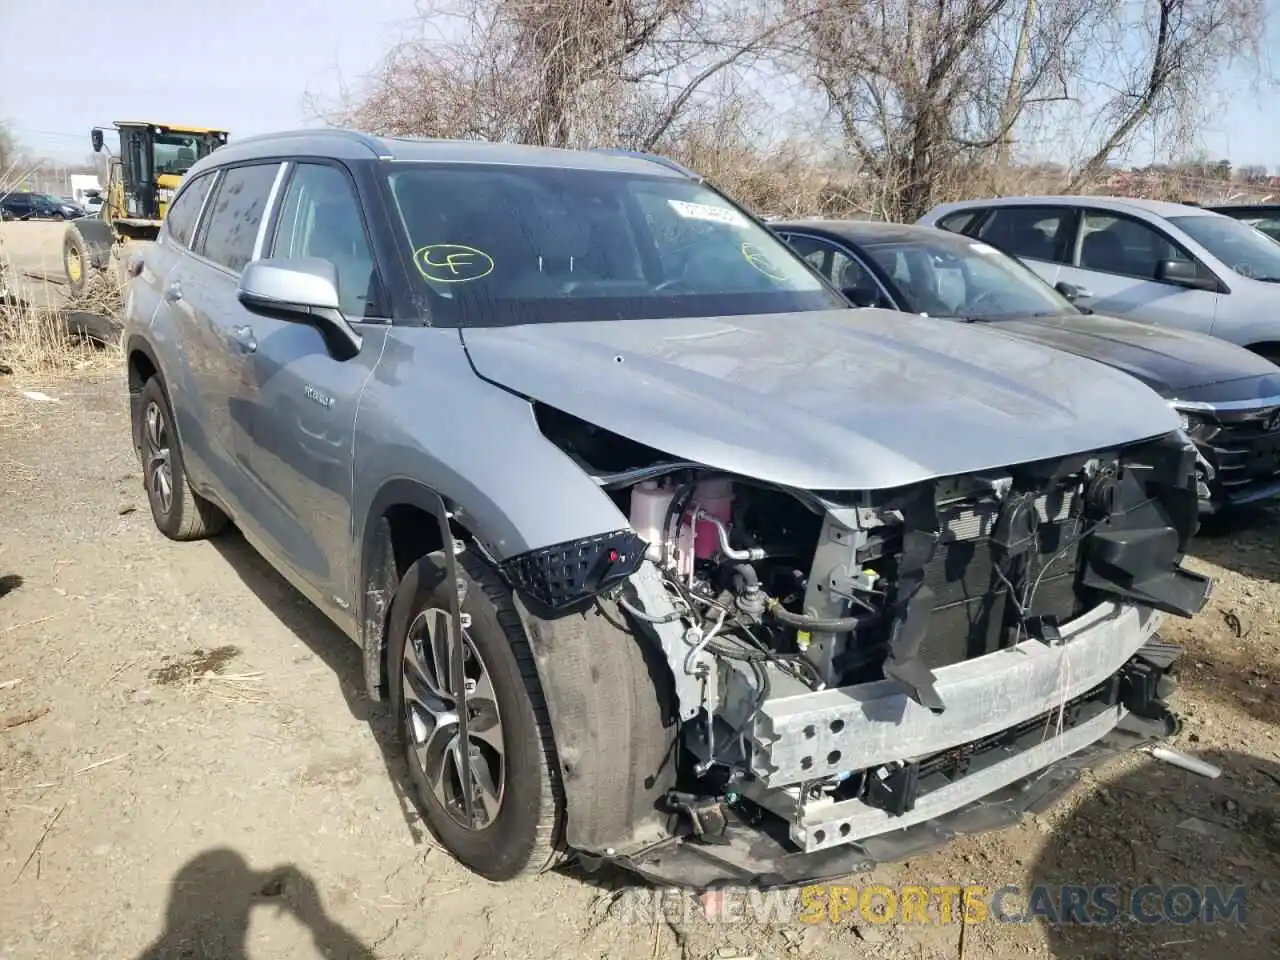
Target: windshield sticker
<point x="452" y="263"/>
<point x="705" y="211"/>
<point x="760" y="260"/>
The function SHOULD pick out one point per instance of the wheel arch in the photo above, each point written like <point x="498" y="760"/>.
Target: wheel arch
<point x="614" y="774"/>
<point x="141" y="365"/>
<point x="406" y="520"/>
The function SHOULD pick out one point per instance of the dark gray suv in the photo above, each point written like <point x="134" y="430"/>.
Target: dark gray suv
<point x="660" y="554"/>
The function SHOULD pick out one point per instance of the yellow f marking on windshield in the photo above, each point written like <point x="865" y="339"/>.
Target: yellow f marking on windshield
<point x="452" y="262"/>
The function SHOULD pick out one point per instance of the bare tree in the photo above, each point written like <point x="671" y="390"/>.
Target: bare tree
<point x="562" y="72"/>
<point x="1185" y="45"/>
<point x="923" y="90"/>
<point x="928" y="98"/>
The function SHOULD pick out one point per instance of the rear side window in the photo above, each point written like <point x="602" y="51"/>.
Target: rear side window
<point x="236" y="213"/>
<point x="1032" y="232"/>
<point x="180" y="220"/>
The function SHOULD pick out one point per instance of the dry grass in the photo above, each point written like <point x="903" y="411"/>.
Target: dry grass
<point x="42" y="331"/>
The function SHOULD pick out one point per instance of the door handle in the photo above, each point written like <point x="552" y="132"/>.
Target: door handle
<point x="173" y="291"/>
<point x="244" y="339"/>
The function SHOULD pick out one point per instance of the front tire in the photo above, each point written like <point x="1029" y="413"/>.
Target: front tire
<point x="178" y="511"/>
<point x="516" y="826"/>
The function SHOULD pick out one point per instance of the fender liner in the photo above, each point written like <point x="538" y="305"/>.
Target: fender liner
<point x="615" y="723"/>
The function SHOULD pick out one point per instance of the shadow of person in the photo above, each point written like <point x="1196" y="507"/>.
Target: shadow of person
<point x="213" y="896"/>
<point x="1175" y="854"/>
<point x="312" y="628"/>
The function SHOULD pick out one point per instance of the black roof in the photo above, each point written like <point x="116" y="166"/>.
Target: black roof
<point x="875" y="231"/>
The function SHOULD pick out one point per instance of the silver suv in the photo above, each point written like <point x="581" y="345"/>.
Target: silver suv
<point x="1161" y="263"/>
<point x="660" y="554"/>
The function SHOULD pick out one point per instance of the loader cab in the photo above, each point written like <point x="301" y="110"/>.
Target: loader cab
<point x="152" y="159"/>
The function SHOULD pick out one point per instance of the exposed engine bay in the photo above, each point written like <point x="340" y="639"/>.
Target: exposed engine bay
<point x="851" y="663"/>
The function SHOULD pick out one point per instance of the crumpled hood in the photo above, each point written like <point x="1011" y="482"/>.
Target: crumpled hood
<point x="1175" y="363"/>
<point x="832" y="400"/>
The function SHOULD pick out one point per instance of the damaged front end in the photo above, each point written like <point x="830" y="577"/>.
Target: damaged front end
<point x="862" y="675"/>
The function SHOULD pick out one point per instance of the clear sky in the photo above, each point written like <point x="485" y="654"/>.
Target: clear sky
<point x="240" y="65"/>
<point x="248" y="65"/>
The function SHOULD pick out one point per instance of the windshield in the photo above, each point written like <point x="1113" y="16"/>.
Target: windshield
<point x="1245" y="250"/>
<point x="176" y="152"/>
<point x="496" y="245"/>
<point x="956" y="278"/>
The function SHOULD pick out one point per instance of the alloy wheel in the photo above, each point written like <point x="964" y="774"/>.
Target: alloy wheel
<point x="432" y="706"/>
<point x="159" y="465"/>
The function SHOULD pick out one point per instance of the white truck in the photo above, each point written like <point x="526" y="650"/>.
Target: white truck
<point x="86" y="189"/>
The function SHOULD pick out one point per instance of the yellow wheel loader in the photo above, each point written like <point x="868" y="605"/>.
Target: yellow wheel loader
<point x="138" y="183"/>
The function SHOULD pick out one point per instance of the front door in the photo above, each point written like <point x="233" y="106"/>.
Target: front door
<point x="1115" y="261"/>
<point x="294" y="430"/>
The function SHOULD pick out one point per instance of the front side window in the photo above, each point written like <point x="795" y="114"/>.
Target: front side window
<point x="1032" y="232"/>
<point x="320" y="217"/>
<point x="1113" y="243"/>
<point x="1238" y="245"/>
<point x="845" y="273"/>
<point x="180" y="220"/>
<point x="951" y="277"/>
<point x="497" y="245"/>
<point x="237" y="211"/>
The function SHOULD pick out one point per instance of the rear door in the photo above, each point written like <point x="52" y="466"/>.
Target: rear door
<point x="220" y="332"/>
<point x="294" y="430"/>
<point x="1115" y="258"/>
<point x="1039" y="236"/>
<point x="168" y="269"/>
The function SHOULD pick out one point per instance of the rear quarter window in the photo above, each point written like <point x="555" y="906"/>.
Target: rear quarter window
<point x="959" y="222"/>
<point x="180" y="220"/>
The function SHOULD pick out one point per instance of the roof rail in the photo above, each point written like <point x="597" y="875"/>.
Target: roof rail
<point x="652" y="158"/>
<point x="371" y="143"/>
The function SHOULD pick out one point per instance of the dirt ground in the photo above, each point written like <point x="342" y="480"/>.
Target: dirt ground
<point x="188" y="768"/>
<point x="31" y="252"/>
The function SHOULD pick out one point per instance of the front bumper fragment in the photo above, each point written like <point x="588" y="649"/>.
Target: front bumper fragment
<point x="751" y="855"/>
<point x="810" y="736"/>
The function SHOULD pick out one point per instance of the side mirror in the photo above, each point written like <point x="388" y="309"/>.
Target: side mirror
<point x="862" y="296"/>
<point x="95" y="137"/>
<point x="1071" y="291"/>
<point x="303" y="290"/>
<point x="1184" y="273"/>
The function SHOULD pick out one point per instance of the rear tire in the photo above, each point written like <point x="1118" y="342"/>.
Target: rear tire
<point x="522" y="834"/>
<point x="75" y="261"/>
<point x="86" y="253"/>
<point x="178" y="511"/>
